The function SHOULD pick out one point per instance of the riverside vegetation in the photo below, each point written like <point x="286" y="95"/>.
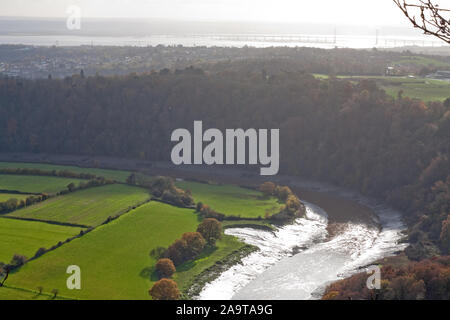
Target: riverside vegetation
<point x="117" y="225"/>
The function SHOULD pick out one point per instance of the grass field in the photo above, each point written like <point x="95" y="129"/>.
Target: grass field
<point x="421" y="61"/>
<point x="25" y="237"/>
<point x="423" y="89"/>
<point x="35" y="184"/>
<point x="114" y="258"/>
<point x="6" y="196"/>
<point x="232" y="200"/>
<point x="117" y="175"/>
<point x="416" y="88"/>
<point x="88" y="207"/>
<point x="20" y="294"/>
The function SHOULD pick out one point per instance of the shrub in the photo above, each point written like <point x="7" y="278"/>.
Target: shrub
<point x="10" y="205"/>
<point x="405" y="288"/>
<point x="207" y="212"/>
<point x="188" y="247"/>
<point x="40" y="252"/>
<point x="71" y="187"/>
<point x="211" y="230"/>
<point x="169" y="196"/>
<point x="131" y="179"/>
<point x="176" y="252"/>
<point x="293" y="204"/>
<point x="195" y="244"/>
<point x="283" y="193"/>
<point x="427" y="279"/>
<point x="161" y="184"/>
<point x="165" y="289"/>
<point x="445" y="235"/>
<point x="267" y="188"/>
<point x="18" y="260"/>
<point x="55" y="293"/>
<point x="330" y="295"/>
<point x="164" y="187"/>
<point x="165" y="268"/>
<point x="199" y="206"/>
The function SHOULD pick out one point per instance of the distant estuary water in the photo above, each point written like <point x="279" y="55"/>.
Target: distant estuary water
<point x="297" y="261"/>
<point x="224" y="40"/>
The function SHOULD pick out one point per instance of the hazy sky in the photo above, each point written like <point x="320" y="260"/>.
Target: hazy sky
<point x="365" y="12"/>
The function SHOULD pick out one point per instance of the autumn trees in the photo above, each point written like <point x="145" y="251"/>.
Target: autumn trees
<point x="293" y="207"/>
<point x="165" y="268"/>
<point x="205" y="211"/>
<point x="165" y="289"/>
<point x="211" y="230"/>
<point x="445" y="235"/>
<point x="164" y="188"/>
<point x="267" y="188"/>
<point x="428" y="279"/>
<point x="188" y="247"/>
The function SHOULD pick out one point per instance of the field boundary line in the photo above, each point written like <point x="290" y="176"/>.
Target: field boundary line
<point x="19" y="192"/>
<point x="63" y="224"/>
<point x="37" y="293"/>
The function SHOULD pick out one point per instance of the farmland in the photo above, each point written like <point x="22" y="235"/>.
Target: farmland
<point x="88" y="207"/>
<point x="35" y="184"/>
<point x="117" y="175"/>
<point x="25" y="237"/>
<point x="422" y="61"/>
<point x="415" y="88"/>
<point x="113" y="258"/>
<point x="21" y="294"/>
<point x="423" y="89"/>
<point x="232" y="200"/>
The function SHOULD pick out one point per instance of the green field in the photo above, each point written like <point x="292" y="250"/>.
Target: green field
<point x="422" y="62"/>
<point x="35" y="184"/>
<point x="423" y="89"/>
<point x="6" y="196"/>
<point x="25" y="237"/>
<point x="416" y="88"/>
<point x="20" y="294"/>
<point x="114" y="258"/>
<point x="232" y="200"/>
<point x="89" y="207"/>
<point x="117" y="175"/>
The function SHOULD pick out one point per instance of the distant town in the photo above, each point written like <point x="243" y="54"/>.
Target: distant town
<point x="37" y="62"/>
<point x="58" y="62"/>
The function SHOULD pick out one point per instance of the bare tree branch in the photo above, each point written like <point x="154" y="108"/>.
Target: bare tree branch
<point x="427" y="16"/>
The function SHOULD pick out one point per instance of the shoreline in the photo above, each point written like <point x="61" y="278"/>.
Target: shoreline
<point x="210" y="274"/>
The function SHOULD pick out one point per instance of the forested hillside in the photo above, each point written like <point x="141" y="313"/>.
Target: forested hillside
<point x="348" y="133"/>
